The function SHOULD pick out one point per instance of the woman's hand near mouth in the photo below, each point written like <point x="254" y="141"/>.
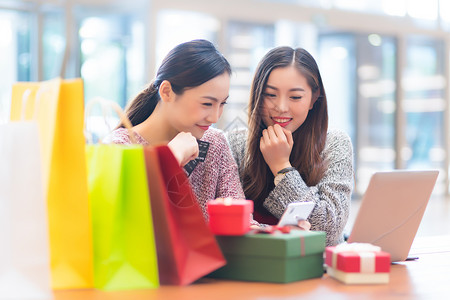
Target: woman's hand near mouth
<point x="276" y="146"/>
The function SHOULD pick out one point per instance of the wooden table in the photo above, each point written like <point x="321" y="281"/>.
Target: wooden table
<point x="428" y="277"/>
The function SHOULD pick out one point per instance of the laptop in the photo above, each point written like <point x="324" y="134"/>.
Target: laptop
<point x="391" y="210"/>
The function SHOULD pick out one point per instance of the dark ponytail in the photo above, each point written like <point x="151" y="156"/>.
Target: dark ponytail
<point x="186" y="66"/>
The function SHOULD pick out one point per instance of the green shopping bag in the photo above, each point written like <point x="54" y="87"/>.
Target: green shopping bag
<point x="124" y="246"/>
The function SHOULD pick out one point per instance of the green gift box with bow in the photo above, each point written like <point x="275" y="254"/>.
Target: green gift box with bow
<point x="275" y="257"/>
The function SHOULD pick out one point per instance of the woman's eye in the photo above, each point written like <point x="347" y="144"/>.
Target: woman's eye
<point x="207" y="104"/>
<point x="269" y="95"/>
<point x="296" y="97"/>
<point x="223" y="103"/>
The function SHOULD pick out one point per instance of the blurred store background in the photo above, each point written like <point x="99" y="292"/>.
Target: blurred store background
<point x="385" y="63"/>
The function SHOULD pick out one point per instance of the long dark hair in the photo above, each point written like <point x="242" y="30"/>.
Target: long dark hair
<point x="309" y="138"/>
<point x="187" y="65"/>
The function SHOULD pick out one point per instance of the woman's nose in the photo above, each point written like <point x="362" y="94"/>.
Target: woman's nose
<point x="281" y="105"/>
<point x="214" y="116"/>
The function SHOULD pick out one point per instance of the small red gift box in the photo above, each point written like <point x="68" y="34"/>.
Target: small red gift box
<point x="229" y="216"/>
<point x="358" y="263"/>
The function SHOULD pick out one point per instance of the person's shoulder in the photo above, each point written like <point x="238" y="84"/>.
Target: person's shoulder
<point x="221" y="140"/>
<point x="122" y="136"/>
<point x="216" y="138"/>
<point x="338" y="139"/>
<point x="336" y="134"/>
<point x="213" y="135"/>
<point x="236" y="136"/>
<point x="117" y="136"/>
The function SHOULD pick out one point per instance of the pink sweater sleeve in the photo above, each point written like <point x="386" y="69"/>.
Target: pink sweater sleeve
<point x="228" y="184"/>
<point x="122" y="136"/>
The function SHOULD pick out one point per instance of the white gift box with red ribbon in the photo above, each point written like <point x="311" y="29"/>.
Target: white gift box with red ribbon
<point x="358" y="263"/>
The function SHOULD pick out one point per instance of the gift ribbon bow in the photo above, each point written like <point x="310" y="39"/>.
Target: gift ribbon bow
<point x="366" y="252"/>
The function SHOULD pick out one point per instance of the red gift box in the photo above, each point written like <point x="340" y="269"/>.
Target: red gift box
<point x="229" y="216"/>
<point x="358" y="263"/>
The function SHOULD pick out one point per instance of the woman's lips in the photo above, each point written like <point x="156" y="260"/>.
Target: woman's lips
<point x="283" y="122"/>
<point x="203" y="127"/>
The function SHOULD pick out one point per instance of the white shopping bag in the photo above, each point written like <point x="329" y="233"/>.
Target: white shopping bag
<point x="24" y="254"/>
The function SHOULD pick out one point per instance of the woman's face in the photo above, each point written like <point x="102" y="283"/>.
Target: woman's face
<point x="287" y="98"/>
<point x="200" y="107"/>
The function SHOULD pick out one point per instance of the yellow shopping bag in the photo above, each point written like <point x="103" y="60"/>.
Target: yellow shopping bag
<point x="60" y="105"/>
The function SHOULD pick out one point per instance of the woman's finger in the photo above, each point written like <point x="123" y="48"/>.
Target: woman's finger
<point x="265" y="137"/>
<point x="304" y="225"/>
<point x="288" y="135"/>
<point x="280" y="133"/>
<point x="271" y="133"/>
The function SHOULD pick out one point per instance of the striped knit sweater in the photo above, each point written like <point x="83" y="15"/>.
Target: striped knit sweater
<point x="332" y="194"/>
<point x="213" y="178"/>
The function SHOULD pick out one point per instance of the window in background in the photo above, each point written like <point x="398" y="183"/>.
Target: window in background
<point x="394" y="7"/>
<point x="359" y="73"/>
<point x="175" y="27"/>
<point x="426" y="10"/>
<point x="337" y="63"/>
<point x="444" y="13"/>
<point x="313" y="3"/>
<point x="424" y="106"/>
<point x="53" y="44"/>
<point x="16" y="51"/>
<point x="418" y="9"/>
<point x="247" y="43"/>
<point x="112" y="62"/>
<point x="367" y="6"/>
<point x="376" y="75"/>
<point x="296" y="35"/>
<point x="112" y="55"/>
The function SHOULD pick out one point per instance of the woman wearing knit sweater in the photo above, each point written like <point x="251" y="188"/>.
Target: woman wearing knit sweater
<point x="287" y="154"/>
<point x="187" y="96"/>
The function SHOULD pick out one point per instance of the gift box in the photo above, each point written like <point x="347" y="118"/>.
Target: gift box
<point x="272" y="257"/>
<point x="229" y="216"/>
<point x="358" y="263"/>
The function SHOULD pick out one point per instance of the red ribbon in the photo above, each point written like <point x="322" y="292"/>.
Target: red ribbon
<point x="283" y="229"/>
<point x="273" y="228"/>
<point x="302" y="246"/>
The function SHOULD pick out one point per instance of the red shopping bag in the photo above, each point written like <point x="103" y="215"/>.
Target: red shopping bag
<point x="186" y="248"/>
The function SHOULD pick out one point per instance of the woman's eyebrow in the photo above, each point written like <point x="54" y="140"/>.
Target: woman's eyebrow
<point x="214" y="98"/>
<point x="293" y="89"/>
<point x="297" y="89"/>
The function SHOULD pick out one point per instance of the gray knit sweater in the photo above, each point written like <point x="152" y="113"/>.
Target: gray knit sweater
<point x="332" y="194"/>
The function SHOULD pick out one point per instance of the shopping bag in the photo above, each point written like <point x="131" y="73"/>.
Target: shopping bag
<point x="124" y="244"/>
<point x="24" y="257"/>
<point x="186" y="248"/>
<point x="59" y="113"/>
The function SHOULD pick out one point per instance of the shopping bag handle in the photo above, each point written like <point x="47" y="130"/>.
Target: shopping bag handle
<point x="26" y="97"/>
<point x="104" y="103"/>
